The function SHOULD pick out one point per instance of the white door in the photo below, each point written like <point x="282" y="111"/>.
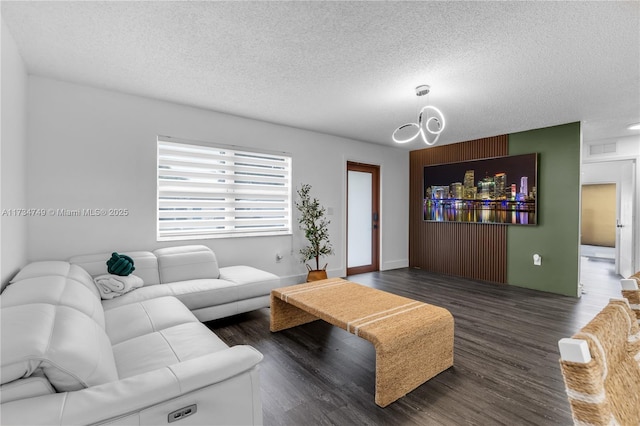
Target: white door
<point x="363" y="195"/>
<point x="359" y="219"/>
<point x="624" y="229"/>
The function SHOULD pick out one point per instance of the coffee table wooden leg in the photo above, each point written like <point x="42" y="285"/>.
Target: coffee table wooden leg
<point x="284" y="315"/>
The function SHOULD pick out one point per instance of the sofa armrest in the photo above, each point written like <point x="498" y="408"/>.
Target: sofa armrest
<point x="214" y="368"/>
<point x="127" y="398"/>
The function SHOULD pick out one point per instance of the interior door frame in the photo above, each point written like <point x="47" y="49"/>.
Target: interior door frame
<point x="375" y="208"/>
<point x="616" y="178"/>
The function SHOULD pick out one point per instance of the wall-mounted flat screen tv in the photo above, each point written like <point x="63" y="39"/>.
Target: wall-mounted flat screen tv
<point x="492" y="190"/>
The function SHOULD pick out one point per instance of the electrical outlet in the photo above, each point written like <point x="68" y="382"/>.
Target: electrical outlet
<point x="537" y="260"/>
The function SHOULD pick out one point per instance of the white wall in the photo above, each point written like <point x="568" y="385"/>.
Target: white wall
<point x="627" y="147"/>
<point x="91" y="148"/>
<point x="13" y="148"/>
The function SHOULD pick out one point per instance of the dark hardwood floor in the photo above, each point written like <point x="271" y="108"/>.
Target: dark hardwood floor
<point x="506" y="369"/>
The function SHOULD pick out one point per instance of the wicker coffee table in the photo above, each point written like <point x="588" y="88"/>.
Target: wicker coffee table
<point x="413" y="340"/>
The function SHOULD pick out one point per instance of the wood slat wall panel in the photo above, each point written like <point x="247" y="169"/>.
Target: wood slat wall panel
<point x="470" y="250"/>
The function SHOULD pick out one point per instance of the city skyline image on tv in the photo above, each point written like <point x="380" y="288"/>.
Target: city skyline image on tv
<point x="495" y="190"/>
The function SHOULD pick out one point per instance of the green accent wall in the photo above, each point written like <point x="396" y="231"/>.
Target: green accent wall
<point x="556" y="237"/>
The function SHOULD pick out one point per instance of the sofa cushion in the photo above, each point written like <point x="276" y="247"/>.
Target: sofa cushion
<point x="55" y="290"/>
<point x="251" y="282"/>
<point x="35" y="385"/>
<point x="145" y="262"/>
<point x="43" y="268"/>
<point x="165" y="347"/>
<point x="136" y="319"/>
<point x="186" y="263"/>
<point x="139" y="295"/>
<point x="71" y="349"/>
<point x="196" y="294"/>
<point x="56" y="268"/>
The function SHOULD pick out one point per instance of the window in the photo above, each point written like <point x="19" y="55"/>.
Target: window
<point x="207" y="191"/>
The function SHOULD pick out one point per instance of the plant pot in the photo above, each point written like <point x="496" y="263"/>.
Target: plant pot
<point x="316" y="274"/>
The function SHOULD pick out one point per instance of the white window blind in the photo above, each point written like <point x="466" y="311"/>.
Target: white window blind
<point x="207" y="191"/>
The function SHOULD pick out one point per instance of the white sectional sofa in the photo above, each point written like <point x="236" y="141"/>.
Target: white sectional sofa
<point x="69" y="357"/>
<point x="191" y="274"/>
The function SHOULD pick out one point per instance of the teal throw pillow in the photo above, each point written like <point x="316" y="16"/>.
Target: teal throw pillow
<point x="120" y="264"/>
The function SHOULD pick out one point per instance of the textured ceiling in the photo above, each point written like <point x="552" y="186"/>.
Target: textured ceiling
<point x="350" y="68"/>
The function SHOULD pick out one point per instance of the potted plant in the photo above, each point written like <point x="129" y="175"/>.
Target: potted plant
<point x="313" y="222"/>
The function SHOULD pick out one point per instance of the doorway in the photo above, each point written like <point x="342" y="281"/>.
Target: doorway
<point x="363" y="218"/>
<point x="608" y="194"/>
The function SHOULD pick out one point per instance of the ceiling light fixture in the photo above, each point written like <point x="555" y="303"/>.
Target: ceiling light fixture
<point x="635" y="126"/>
<point x="433" y="125"/>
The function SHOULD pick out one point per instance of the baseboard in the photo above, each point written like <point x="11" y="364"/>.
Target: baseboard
<point x="394" y="264"/>
<point x="336" y="273"/>
<point x="293" y="280"/>
<point x="302" y="278"/>
<point x="339" y="272"/>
